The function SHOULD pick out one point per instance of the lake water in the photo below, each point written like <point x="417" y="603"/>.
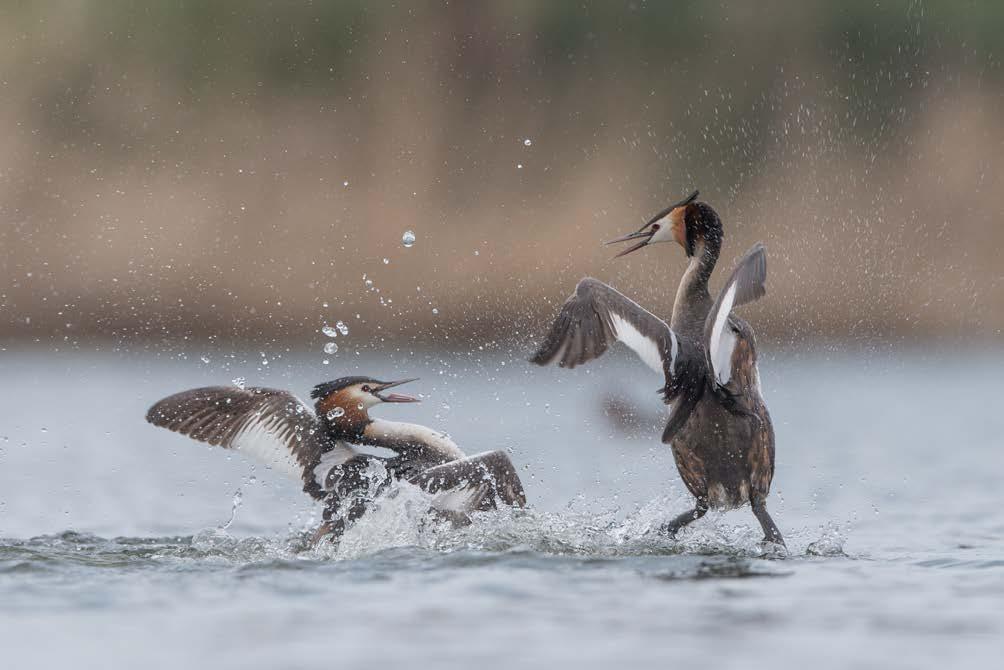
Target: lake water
<point x="888" y="490"/>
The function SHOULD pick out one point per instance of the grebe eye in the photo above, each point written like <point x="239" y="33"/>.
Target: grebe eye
<point x="366" y="388"/>
<point x="655" y="227"/>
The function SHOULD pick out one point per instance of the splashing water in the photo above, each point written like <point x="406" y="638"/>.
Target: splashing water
<point x="408" y="239"/>
<point x="342" y="328"/>
<point x="236" y="505"/>
<point x="330" y="347"/>
<point x="330" y="331"/>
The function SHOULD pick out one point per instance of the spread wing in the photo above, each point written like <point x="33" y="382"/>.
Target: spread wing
<point x="721" y="333"/>
<point x="596" y="316"/>
<point x="473" y="483"/>
<point x="272" y="426"/>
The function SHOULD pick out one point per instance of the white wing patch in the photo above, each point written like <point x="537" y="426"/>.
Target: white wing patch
<point x="721" y="361"/>
<point x="332" y="459"/>
<point x="459" y="499"/>
<point x="264" y="439"/>
<point x="646" y="348"/>
<point x="674" y="350"/>
<point x="723" y="340"/>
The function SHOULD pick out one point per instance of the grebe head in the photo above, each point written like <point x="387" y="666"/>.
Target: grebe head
<point x="688" y="223"/>
<point x="356" y="393"/>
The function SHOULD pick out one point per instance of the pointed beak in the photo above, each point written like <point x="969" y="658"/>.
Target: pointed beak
<point x="644" y="235"/>
<point x="394" y="397"/>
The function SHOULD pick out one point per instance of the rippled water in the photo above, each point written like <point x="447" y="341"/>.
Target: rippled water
<point x="887" y="488"/>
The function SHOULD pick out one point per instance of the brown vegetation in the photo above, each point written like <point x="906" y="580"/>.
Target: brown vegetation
<point x="148" y="197"/>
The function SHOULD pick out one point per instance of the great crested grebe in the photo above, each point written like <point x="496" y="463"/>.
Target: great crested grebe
<point x="719" y="428"/>
<point x="315" y="446"/>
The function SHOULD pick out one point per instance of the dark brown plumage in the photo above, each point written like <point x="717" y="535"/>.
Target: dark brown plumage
<point x="719" y="428"/>
<point x="314" y="446"/>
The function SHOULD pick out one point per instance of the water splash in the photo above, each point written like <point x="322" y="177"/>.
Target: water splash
<point x="236" y="505"/>
<point x="830" y="543"/>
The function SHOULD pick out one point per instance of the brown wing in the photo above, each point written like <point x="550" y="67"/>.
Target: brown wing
<point x="476" y="481"/>
<point x="595" y="317"/>
<point x="691" y="467"/>
<point x="761" y="456"/>
<point x="743" y="377"/>
<point x="269" y="425"/>
<point x="746" y="284"/>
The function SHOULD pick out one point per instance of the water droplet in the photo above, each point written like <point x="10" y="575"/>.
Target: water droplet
<point x="369" y="282"/>
<point x="435" y="310"/>
<point x="519" y="166"/>
<point x="330" y="347"/>
<point x="336" y="412"/>
<point x="330" y="331"/>
<point x="477" y="253"/>
<point x="205" y="359"/>
<point x="408" y="239"/>
<point x="239" y="382"/>
<point x="345" y="183"/>
<point x="342" y="328"/>
<point x="527" y="142"/>
<point x="360" y="406"/>
<point x="386" y="261"/>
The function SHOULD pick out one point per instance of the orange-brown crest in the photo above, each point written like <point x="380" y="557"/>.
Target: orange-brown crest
<point x="342" y="399"/>
<point x="679" y="226"/>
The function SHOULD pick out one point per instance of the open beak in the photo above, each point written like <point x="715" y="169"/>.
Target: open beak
<point x="394" y="397"/>
<point x="644" y="235"/>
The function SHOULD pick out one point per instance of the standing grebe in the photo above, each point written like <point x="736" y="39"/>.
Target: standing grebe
<point x="314" y="446"/>
<point x="719" y="427"/>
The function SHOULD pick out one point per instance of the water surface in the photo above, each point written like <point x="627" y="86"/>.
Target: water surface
<point x="887" y="489"/>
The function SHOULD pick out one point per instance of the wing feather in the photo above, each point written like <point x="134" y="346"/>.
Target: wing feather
<point x="746" y="284"/>
<point x="474" y="483"/>
<point x="269" y="425"/>
<point x="595" y="317"/>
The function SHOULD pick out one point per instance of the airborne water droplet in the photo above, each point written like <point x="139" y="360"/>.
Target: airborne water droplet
<point x="336" y="412"/>
<point x="342" y="328"/>
<point x="330" y="347"/>
<point x="239" y="382"/>
<point x="527" y="142"/>
<point x="386" y="261"/>
<point x="408" y="239"/>
<point x="329" y="331"/>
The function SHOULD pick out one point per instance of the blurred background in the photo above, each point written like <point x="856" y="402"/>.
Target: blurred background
<point x="280" y="193"/>
<point x="241" y="173"/>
